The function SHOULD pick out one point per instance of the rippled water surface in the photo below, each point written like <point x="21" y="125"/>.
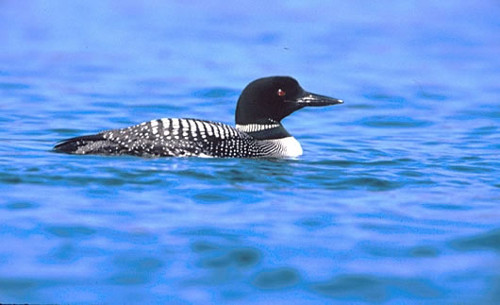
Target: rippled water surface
<point x="395" y="200"/>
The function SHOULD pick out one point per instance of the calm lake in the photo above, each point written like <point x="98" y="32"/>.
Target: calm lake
<point x="396" y="199"/>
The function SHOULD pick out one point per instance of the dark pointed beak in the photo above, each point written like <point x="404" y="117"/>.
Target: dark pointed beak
<point x="311" y="99"/>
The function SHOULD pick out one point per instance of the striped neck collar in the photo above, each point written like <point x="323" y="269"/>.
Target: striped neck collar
<point x="256" y="127"/>
<point x="264" y="131"/>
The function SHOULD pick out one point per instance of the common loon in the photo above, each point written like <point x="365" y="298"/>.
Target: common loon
<point x="258" y="133"/>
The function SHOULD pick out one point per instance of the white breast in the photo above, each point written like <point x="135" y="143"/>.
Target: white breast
<point x="287" y="147"/>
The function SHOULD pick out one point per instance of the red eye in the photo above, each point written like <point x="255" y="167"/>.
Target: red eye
<point x="281" y="92"/>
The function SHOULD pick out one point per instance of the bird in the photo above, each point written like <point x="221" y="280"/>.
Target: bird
<point x="258" y="132"/>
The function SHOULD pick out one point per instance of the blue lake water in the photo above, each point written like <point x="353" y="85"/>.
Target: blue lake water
<point x="396" y="199"/>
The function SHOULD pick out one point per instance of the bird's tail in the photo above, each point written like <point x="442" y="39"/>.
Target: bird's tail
<point x="82" y="145"/>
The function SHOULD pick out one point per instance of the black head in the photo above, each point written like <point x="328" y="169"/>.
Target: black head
<point x="271" y="99"/>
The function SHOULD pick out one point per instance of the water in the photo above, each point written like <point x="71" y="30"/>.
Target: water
<point x="396" y="199"/>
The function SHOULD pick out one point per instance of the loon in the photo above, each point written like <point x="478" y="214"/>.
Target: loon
<point x="258" y="132"/>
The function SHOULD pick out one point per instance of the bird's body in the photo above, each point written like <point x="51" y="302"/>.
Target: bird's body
<point x="257" y="133"/>
<point x="183" y="138"/>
